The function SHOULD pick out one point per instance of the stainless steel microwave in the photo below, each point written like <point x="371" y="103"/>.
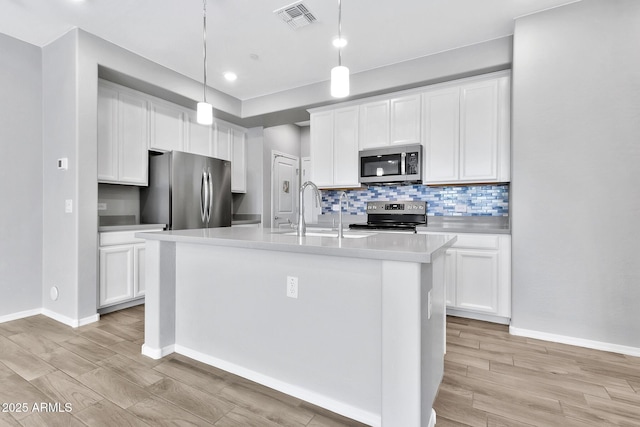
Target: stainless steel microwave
<point x="390" y="165"/>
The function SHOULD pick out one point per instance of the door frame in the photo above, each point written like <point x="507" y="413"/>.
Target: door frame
<point x="274" y="155"/>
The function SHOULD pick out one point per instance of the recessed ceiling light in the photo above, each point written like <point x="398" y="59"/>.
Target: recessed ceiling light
<point x="230" y="76"/>
<point x="339" y="42"/>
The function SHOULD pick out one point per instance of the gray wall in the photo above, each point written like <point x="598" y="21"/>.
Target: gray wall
<point x="20" y="176"/>
<point x="576" y="157"/>
<point x="285" y="139"/>
<point x="60" y="229"/>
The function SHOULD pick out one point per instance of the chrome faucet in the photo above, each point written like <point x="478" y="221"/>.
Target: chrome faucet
<point x="346" y="197"/>
<point x="302" y="227"/>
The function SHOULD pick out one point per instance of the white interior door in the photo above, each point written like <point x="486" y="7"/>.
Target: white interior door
<point x="284" y="189"/>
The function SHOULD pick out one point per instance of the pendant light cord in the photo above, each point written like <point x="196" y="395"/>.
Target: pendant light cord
<point x="340" y="32"/>
<point x="204" y="42"/>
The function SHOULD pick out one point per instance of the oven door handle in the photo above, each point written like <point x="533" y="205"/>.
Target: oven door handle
<point x="403" y="164"/>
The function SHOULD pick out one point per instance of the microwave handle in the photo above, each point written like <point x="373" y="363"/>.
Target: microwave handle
<point x="403" y="164"/>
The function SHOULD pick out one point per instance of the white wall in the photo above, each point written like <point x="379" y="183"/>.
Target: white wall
<point x="20" y="177"/>
<point x="285" y="139"/>
<point x="576" y="172"/>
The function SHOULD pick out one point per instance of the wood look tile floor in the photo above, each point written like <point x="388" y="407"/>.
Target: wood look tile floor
<point x="499" y="380"/>
<point x="98" y="370"/>
<point x="491" y="379"/>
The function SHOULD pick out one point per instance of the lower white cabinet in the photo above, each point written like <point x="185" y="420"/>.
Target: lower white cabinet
<point x="478" y="277"/>
<point x="122" y="267"/>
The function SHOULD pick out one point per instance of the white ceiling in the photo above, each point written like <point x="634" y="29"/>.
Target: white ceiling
<point x="169" y="32"/>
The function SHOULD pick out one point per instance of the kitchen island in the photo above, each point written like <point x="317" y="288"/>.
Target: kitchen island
<point x="362" y="333"/>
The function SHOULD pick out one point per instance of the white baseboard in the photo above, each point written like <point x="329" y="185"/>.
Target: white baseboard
<point x="333" y="405"/>
<point x="20" y="315"/>
<point x="74" y="323"/>
<point x="157" y="353"/>
<point x="88" y="320"/>
<point x="580" y="342"/>
<point x="478" y="316"/>
<point x="432" y="420"/>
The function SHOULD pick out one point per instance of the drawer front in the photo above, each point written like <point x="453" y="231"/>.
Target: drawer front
<point x="475" y="241"/>
<point x="121" y="237"/>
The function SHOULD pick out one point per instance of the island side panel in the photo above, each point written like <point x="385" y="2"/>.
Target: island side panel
<point x="433" y="335"/>
<point x="413" y="333"/>
<point x="160" y="307"/>
<point x="324" y="347"/>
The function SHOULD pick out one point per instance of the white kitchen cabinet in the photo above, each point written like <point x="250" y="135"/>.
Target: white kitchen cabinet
<point x="199" y="139"/>
<point x="223" y="141"/>
<point x="116" y="274"/>
<point x="390" y="121"/>
<point x="334" y="148"/>
<point x="167" y="126"/>
<point x="406" y="119"/>
<point x="478" y="277"/>
<point x="122" y="136"/>
<point x="442" y="135"/>
<point x="466" y="132"/>
<point x="239" y="161"/>
<point x="139" y="269"/>
<point x="122" y="267"/>
<point x="374" y="124"/>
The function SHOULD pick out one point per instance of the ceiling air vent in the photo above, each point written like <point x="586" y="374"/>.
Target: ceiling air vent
<point x="296" y="15"/>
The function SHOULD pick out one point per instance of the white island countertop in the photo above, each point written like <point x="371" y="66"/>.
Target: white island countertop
<point x="380" y="246"/>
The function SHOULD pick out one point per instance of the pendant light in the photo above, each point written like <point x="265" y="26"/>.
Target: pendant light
<point x="340" y="74"/>
<point x="204" y="114"/>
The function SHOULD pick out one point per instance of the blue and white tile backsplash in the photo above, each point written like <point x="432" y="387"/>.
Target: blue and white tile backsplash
<point x="476" y="200"/>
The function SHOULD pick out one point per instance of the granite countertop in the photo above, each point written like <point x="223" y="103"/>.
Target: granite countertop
<point x="467" y="224"/>
<point x="384" y="246"/>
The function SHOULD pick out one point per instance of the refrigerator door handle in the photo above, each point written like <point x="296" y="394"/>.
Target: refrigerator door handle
<point x="204" y="196"/>
<point x="210" y="205"/>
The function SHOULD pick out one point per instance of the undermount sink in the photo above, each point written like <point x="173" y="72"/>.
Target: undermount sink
<point x="332" y="233"/>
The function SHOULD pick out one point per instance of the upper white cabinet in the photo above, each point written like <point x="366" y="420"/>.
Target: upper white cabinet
<point x="122" y="136"/>
<point x="167" y="126"/>
<point x="334" y="148"/>
<point x="390" y="121"/>
<point x="198" y="138"/>
<point x="406" y="120"/>
<point x="223" y="141"/>
<point x="230" y="143"/>
<point x="239" y="161"/>
<point x="464" y="127"/>
<point x="131" y="122"/>
<point x="466" y="132"/>
<point x="374" y="124"/>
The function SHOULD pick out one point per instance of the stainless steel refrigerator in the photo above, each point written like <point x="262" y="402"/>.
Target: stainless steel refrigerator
<point x="187" y="191"/>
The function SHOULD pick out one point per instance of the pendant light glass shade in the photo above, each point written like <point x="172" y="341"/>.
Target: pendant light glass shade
<point x="204" y="113"/>
<point x="339" y="81"/>
<point x="339" y="74"/>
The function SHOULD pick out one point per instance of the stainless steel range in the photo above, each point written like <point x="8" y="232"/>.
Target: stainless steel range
<point x="401" y="216"/>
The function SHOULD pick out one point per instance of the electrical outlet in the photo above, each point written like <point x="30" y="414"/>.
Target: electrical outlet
<point x="292" y="287"/>
<point x="336" y="207"/>
<point x="461" y="208"/>
<point x="429" y="305"/>
<point x="102" y="206"/>
<point x="68" y="206"/>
